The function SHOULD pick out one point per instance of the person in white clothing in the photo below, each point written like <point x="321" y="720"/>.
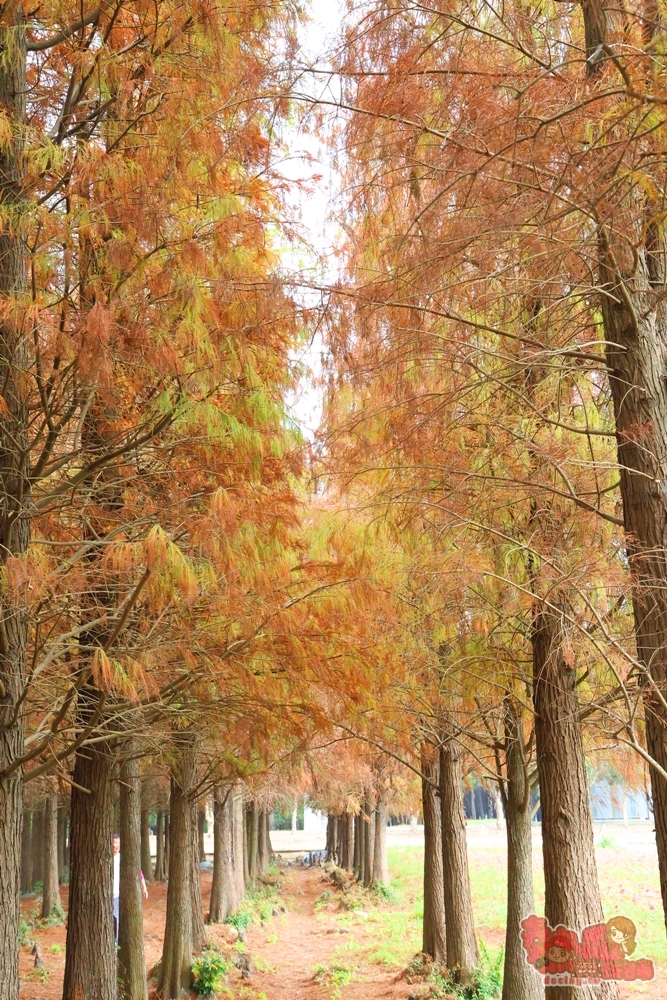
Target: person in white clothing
<point x="115" y="849"/>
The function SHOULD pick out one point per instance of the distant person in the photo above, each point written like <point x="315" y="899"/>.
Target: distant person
<point x="115" y="849"/>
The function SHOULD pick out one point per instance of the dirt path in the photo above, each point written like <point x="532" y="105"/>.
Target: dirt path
<point x="294" y="944"/>
<point x="286" y="950"/>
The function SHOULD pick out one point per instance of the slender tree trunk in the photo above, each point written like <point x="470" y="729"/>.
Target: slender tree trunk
<point x="159" y="847"/>
<point x="253" y="841"/>
<point x="37" y="841"/>
<point x="572" y="895"/>
<point x="51" y="892"/>
<point x="14" y="490"/>
<point x="62" y="839"/>
<point x="131" y="964"/>
<point x="369" y="841"/>
<point x="167" y="841"/>
<point x="27" y="879"/>
<point x="348" y="859"/>
<point x="90" y="956"/>
<point x="434" y="942"/>
<point x="380" y="867"/>
<point x="201" y="823"/>
<point x="222" y="886"/>
<point x="175" y="968"/>
<point x="462" y="956"/>
<point x="473" y="807"/>
<point x="146" y="863"/>
<point x="264" y="843"/>
<point x="198" y="927"/>
<point x="520" y="981"/>
<point x="294" y="817"/>
<point x="238" y="852"/>
<point x="358" y="847"/>
<point x="246" y="846"/>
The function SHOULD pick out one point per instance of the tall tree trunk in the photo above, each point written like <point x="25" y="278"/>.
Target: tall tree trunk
<point x="380" y="867"/>
<point x="62" y="840"/>
<point x="14" y="489"/>
<point x="348" y="857"/>
<point x="131" y="964"/>
<point x="238" y="851"/>
<point x="369" y="841"/>
<point x="264" y="843"/>
<point x="146" y="863"/>
<point x="572" y="895"/>
<point x="51" y="892"/>
<point x="462" y="956"/>
<point x="246" y="845"/>
<point x="27" y="879"/>
<point x="198" y="927"/>
<point x="473" y="806"/>
<point x="357" y="861"/>
<point x="159" y="847"/>
<point x="434" y="941"/>
<point x="167" y="841"/>
<point x="519" y="980"/>
<point x="201" y="823"/>
<point x="222" y="886"/>
<point x="175" y="968"/>
<point x="37" y="841"/>
<point x="253" y="840"/>
<point x="294" y="817"/>
<point x="90" y="956"/>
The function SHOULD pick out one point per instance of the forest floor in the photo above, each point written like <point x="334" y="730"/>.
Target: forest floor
<point x="304" y="941"/>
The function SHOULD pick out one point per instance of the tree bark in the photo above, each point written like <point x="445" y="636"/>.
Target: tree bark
<point x="159" y="847"/>
<point x="223" y="885"/>
<point x="37" y="841"/>
<point x="369" y="842"/>
<point x="131" y="964"/>
<point x="238" y="851"/>
<point x="27" y="880"/>
<point x="358" y="847"/>
<point x="253" y="841"/>
<point x="175" y="968"/>
<point x="572" y="895"/>
<point x="198" y="926"/>
<point x="14" y="490"/>
<point x="520" y="981"/>
<point x="167" y="841"/>
<point x="51" y="892"/>
<point x="348" y="856"/>
<point x="62" y="840"/>
<point x="380" y="867"/>
<point x="462" y="955"/>
<point x="264" y="843"/>
<point x="201" y="823"/>
<point x="246" y="846"/>
<point x="90" y="956"/>
<point x="146" y="863"/>
<point x="635" y="356"/>
<point x="434" y="941"/>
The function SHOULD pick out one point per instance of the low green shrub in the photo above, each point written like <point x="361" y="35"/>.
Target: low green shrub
<point x="209" y="973"/>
